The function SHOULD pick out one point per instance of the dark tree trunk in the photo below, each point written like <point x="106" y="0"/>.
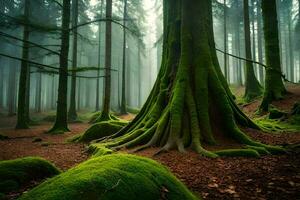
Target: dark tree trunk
<point x="27" y="100"/>
<point x="274" y="88"/>
<point x="123" y="99"/>
<point x="38" y="97"/>
<point x="11" y="89"/>
<point x="72" y="115"/>
<point x="105" y="114"/>
<point x="21" y="119"/>
<point x="61" y="122"/>
<point x="253" y="89"/>
<point x="226" y="71"/>
<point x="1" y="83"/>
<point x="190" y="104"/>
<point x="253" y="36"/>
<point x="99" y="60"/>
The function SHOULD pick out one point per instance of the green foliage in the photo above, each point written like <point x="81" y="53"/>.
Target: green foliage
<point x="102" y="129"/>
<point x="15" y="173"/>
<point x="133" y="110"/>
<point x="291" y="124"/>
<point x="113" y="177"/>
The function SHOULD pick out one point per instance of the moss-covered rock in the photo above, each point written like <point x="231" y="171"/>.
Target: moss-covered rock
<point x="113" y="177"/>
<point x="15" y="173"/>
<point x="101" y="129"/>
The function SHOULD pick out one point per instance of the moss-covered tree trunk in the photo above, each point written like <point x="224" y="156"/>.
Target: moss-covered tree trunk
<point x="72" y="115"/>
<point x="274" y="88"/>
<point x="123" y="99"/>
<point x="61" y="121"/>
<point x="190" y="104"/>
<point x="21" y="113"/>
<point x="253" y="88"/>
<point x="105" y="114"/>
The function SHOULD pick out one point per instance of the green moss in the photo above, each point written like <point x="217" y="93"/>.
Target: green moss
<point x="113" y="177"/>
<point x="238" y="153"/>
<point x="276" y="114"/>
<point x="101" y="129"/>
<point x="98" y="150"/>
<point x="16" y="173"/>
<point x="277" y="126"/>
<point x="133" y="110"/>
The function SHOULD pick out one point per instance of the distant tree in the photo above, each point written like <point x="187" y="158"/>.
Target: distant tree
<point x="72" y="115"/>
<point x="274" y="88"/>
<point x="105" y="114"/>
<point x="22" y="121"/>
<point x="253" y="88"/>
<point x="61" y="121"/>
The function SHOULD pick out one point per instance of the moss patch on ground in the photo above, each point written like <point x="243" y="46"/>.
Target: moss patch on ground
<point x="113" y="177"/>
<point x="16" y="173"/>
<point x="291" y="124"/>
<point x="100" y="130"/>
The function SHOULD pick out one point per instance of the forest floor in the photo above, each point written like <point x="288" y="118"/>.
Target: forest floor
<point x="268" y="177"/>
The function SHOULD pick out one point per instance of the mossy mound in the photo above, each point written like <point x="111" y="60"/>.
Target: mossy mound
<point x="101" y="129"/>
<point x="133" y="110"/>
<point x="296" y="109"/>
<point x="113" y="177"/>
<point x="16" y="173"/>
<point x="277" y="114"/>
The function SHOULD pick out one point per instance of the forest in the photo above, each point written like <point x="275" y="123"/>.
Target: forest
<point x="149" y="99"/>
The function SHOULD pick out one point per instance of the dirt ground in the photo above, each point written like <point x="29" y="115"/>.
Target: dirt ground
<point x="269" y="177"/>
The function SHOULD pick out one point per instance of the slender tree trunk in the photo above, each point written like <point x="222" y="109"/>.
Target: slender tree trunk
<point x="253" y="89"/>
<point x="27" y="99"/>
<point x="99" y="60"/>
<point x="279" y="30"/>
<point x="61" y="122"/>
<point x="1" y="83"/>
<point x="274" y="88"/>
<point x="72" y="115"/>
<point x="107" y="80"/>
<point x="190" y="104"/>
<point x="291" y="48"/>
<point x="38" y="97"/>
<point x="253" y="36"/>
<point x="123" y="99"/>
<point x="21" y="118"/>
<point x="259" y="41"/>
<point x="139" y="75"/>
<point x="11" y="89"/>
<point x="226" y="71"/>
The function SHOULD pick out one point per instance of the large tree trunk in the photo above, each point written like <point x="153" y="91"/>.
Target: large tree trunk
<point x="123" y="99"/>
<point x="72" y="115"/>
<point x="253" y="89"/>
<point x="190" y="104"/>
<point x="274" y="88"/>
<point x="21" y="118"/>
<point x="107" y="79"/>
<point x="61" y="122"/>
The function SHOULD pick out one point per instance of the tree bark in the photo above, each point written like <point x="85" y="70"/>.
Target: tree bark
<point x="274" y="88"/>
<point x="123" y="99"/>
<point x="11" y="89"/>
<point x="107" y="79"/>
<point x="61" y="122"/>
<point x="21" y="113"/>
<point x="253" y="88"/>
<point x="99" y="60"/>
<point x="72" y="115"/>
<point x="190" y="104"/>
<point x="225" y="43"/>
